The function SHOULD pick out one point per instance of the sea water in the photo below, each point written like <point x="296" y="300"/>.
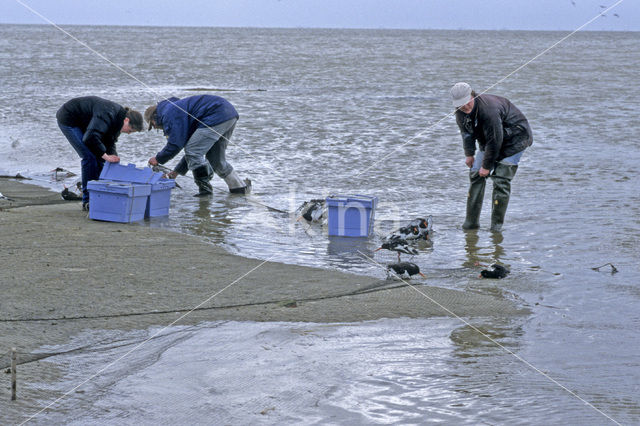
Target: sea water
<point x="367" y="112"/>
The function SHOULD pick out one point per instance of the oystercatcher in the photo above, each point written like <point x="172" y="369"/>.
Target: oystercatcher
<point x="314" y="210"/>
<point x="497" y="271"/>
<point x="417" y="229"/>
<point x="398" y="245"/>
<point x="70" y="195"/>
<point x="402" y="267"/>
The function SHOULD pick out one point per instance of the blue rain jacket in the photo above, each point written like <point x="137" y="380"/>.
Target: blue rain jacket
<point x="180" y="118"/>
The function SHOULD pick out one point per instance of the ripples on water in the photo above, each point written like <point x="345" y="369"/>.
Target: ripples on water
<point x="320" y="110"/>
<point x="393" y="371"/>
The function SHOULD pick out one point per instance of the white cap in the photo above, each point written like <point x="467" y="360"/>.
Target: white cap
<point x="460" y="94"/>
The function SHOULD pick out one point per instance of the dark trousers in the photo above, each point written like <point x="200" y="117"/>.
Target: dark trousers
<point x="90" y="165"/>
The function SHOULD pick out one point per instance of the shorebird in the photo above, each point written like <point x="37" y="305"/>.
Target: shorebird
<point x="402" y="267"/>
<point x="416" y="229"/>
<point x="314" y="210"/>
<point x="72" y="196"/>
<point x="399" y="246"/>
<point x="498" y="271"/>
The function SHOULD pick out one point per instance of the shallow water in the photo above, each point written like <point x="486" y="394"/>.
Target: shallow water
<point x="345" y="111"/>
<point x="388" y="371"/>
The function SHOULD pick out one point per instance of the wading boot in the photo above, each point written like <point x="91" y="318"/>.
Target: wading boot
<point x="502" y="175"/>
<point x="201" y="176"/>
<point x="237" y="186"/>
<point x="474" y="201"/>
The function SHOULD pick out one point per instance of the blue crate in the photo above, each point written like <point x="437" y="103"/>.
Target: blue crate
<point x="117" y="201"/>
<point x="351" y="215"/>
<point x="129" y="173"/>
<point x="160" y="198"/>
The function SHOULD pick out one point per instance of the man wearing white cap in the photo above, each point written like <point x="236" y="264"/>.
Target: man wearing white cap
<point x="502" y="133"/>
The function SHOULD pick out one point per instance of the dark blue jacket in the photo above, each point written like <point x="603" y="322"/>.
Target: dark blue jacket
<point x="180" y="118"/>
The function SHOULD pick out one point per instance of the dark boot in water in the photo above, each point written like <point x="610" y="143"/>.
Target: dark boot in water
<point x="474" y="201"/>
<point x="201" y="176"/>
<point x="502" y="175"/>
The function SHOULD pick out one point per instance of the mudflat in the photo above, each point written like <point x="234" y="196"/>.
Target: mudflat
<point x="63" y="273"/>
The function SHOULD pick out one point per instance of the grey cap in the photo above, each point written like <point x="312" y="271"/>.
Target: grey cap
<point x="460" y="94"/>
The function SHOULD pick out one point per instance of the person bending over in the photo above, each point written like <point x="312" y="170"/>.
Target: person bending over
<point x="502" y="133"/>
<point x="201" y="125"/>
<point x="92" y="126"/>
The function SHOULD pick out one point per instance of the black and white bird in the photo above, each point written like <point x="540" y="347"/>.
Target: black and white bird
<point x="70" y="195"/>
<point x="417" y="229"/>
<point x="401" y="268"/>
<point x="497" y="271"/>
<point x="313" y="211"/>
<point x="399" y="246"/>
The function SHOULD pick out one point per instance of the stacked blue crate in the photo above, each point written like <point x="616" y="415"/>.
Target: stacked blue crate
<point x="117" y="201"/>
<point x="128" y="194"/>
<point x="160" y="198"/>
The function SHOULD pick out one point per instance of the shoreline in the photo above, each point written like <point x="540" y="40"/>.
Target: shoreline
<point x="63" y="273"/>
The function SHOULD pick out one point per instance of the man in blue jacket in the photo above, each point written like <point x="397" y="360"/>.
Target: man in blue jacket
<point x="201" y="125"/>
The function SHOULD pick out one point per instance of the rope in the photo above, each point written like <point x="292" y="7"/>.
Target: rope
<point x="369" y="289"/>
<point x="27" y="357"/>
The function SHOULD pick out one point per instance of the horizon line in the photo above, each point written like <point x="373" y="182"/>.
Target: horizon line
<point x="315" y="28"/>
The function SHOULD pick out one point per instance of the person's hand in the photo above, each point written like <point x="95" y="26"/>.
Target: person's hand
<point x="483" y="172"/>
<point x="111" y="158"/>
<point x="153" y="161"/>
<point x="469" y="161"/>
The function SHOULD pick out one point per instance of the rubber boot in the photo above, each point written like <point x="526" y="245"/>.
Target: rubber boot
<point x="502" y="175"/>
<point x="474" y="201"/>
<point x="237" y="186"/>
<point x="201" y="176"/>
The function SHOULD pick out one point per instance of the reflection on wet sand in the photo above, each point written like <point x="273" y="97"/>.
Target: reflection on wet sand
<point x="210" y="218"/>
<point x="483" y="255"/>
<point x="477" y="339"/>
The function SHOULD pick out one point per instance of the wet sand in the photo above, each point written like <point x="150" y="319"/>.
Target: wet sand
<point x="63" y="273"/>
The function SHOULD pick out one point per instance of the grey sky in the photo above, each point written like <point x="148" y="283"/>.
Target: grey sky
<point x="418" y="14"/>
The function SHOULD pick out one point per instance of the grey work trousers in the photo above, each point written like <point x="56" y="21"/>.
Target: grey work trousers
<point x="207" y="146"/>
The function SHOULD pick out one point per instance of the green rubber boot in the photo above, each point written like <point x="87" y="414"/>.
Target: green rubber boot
<point x="201" y="176"/>
<point x="502" y="175"/>
<point x="474" y="201"/>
